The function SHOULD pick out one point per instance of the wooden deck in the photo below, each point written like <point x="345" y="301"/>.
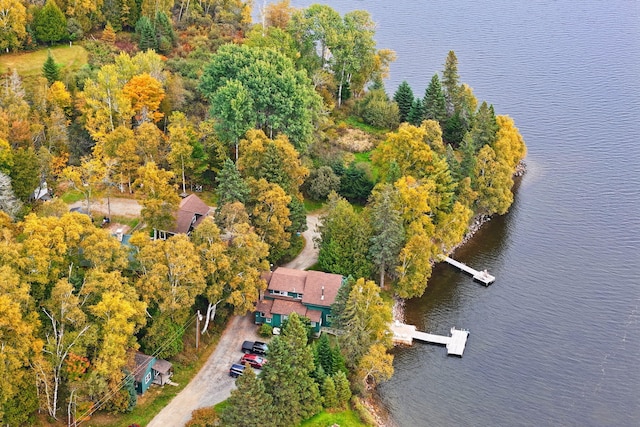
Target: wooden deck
<point x="405" y="334"/>
<point x="481" y="276"/>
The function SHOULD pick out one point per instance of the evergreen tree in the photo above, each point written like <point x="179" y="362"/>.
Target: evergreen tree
<point x="249" y="404"/>
<point x="330" y="397"/>
<point x="435" y="107"/>
<point x="485" y="127"/>
<point x="146" y="34"/>
<point x="324" y="355"/>
<point x="287" y="376"/>
<point x="50" y="69"/>
<point x="49" y="23"/>
<point x="416" y="113"/>
<point x="404" y="99"/>
<point x="166" y="37"/>
<point x="343" y="388"/>
<point x="388" y="231"/>
<point x="355" y="186"/>
<point x="451" y="83"/>
<point x="454" y="130"/>
<point x="231" y="186"/>
<point x="297" y="216"/>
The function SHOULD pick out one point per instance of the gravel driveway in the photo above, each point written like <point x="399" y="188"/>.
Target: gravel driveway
<point x="309" y="254"/>
<point x="212" y="384"/>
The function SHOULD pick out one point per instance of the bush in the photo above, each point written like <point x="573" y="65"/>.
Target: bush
<point x="321" y="182"/>
<point x="364" y="414"/>
<point x="265" y="330"/>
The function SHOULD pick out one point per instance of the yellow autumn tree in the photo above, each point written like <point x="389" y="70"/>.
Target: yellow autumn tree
<point x="145" y="93"/>
<point x="13" y="20"/>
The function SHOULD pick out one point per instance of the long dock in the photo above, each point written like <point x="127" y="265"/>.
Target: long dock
<point x="481" y="276"/>
<point x="405" y="334"/>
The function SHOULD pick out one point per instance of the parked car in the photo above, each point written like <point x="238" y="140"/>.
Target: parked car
<point x="256" y="347"/>
<point x="253" y="360"/>
<point x="236" y="370"/>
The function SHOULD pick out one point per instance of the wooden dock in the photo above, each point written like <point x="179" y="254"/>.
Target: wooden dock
<point x="481" y="276"/>
<point x="405" y="334"/>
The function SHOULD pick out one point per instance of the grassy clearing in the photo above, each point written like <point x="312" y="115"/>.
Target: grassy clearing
<point x="313" y="206"/>
<point x="29" y="64"/>
<point x="343" y="419"/>
<point x="364" y="157"/>
<point x="72" y="196"/>
<point x="354" y="122"/>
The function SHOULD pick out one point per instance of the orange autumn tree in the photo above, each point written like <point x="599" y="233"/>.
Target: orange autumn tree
<point x="146" y="93"/>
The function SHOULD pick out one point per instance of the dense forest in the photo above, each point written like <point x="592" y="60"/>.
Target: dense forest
<point x="185" y="95"/>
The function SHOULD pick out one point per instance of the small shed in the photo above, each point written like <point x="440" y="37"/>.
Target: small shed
<point x="149" y="370"/>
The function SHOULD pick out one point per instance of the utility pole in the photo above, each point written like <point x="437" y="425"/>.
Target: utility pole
<point x="198" y="319"/>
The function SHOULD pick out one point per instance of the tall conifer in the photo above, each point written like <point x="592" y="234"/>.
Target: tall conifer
<point x="404" y="99"/>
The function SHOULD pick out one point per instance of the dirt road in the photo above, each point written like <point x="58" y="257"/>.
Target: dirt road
<point x="309" y="254"/>
<point x="119" y="207"/>
<point x="212" y="384"/>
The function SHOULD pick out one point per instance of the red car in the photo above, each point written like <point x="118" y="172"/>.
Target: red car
<point x="253" y="360"/>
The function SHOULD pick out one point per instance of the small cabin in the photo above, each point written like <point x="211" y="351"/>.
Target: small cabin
<point x="149" y="370"/>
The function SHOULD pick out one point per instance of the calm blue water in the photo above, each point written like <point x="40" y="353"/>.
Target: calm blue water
<point x="556" y="340"/>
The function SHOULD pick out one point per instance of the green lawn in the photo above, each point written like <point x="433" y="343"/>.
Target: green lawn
<point x="356" y="123"/>
<point x="29" y="64"/>
<point x="343" y="419"/>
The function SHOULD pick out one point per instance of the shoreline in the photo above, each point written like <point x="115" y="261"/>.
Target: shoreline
<point x="374" y="402"/>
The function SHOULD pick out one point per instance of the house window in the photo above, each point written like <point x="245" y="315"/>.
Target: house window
<point x="298" y="296"/>
<point x="313" y="324"/>
<point x="285" y="317"/>
<point x="147" y="377"/>
<point x="268" y="320"/>
<point x="262" y="314"/>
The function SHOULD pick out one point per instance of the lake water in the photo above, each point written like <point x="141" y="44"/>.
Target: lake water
<point x="556" y="339"/>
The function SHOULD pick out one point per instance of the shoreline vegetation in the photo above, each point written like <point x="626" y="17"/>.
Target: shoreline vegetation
<point x="151" y="100"/>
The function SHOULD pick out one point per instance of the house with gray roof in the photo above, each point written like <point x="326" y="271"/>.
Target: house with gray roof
<point x="190" y="214"/>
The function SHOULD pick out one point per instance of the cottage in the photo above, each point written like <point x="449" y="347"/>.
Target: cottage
<point x="149" y="370"/>
<point x="307" y="293"/>
<point x="191" y="213"/>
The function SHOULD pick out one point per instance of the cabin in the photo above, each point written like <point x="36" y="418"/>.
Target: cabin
<point x="190" y="214"/>
<point x="307" y="293"/>
<point x="149" y="370"/>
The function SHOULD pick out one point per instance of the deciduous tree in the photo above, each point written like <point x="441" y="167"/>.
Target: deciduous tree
<point x="344" y="240"/>
<point x="13" y="20"/>
<point x="493" y="182"/>
<point x="146" y="93"/>
<point x="161" y="200"/>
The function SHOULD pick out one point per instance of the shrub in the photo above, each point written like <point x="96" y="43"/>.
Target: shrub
<point x="265" y="330"/>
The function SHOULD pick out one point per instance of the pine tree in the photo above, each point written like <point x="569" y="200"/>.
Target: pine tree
<point x="287" y="376"/>
<point x="404" y="99"/>
<point x="231" y="186"/>
<point x="451" y="83"/>
<point x="343" y="388"/>
<point x="166" y="37"/>
<point x="485" y="127"/>
<point x="330" y="397"/>
<point x="454" y="130"/>
<point x="50" y="69"/>
<point x="416" y="113"/>
<point x="435" y="107"/>
<point x="50" y="24"/>
<point x="324" y="355"/>
<point x="249" y="405"/>
<point x="388" y="231"/>
<point x="146" y="34"/>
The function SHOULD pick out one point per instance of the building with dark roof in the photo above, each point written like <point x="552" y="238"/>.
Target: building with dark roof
<point x="307" y="293"/>
<point x="190" y="214"/>
<point x="149" y="370"/>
